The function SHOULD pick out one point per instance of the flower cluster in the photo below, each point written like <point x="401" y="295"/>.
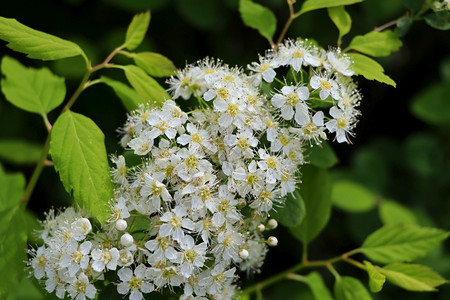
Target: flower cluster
<point x="194" y="212"/>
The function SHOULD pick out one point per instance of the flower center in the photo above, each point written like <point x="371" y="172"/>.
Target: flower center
<point x="168" y="171"/>
<point x="76" y="257"/>
<point x="135" y="283"/>
<point x="223" y="93"/>
<point x="252" y="100"/>
<point x="284" y="140"/>
<point x="205" y="193"/>
<point x="298" y="54"/>
<point x="156" y="190"/>
<point x="265" y="196"/>
<point x="80" y="286"/>
<point x="341" y="123"/>
<point x="292" y="99"/>
<point x="106" y="257"/>
<point x="163" y="125"/>
<point x="191" y="161"/>
<point x="252" y="179"/>
<point x="233" y="109"/>
<point x="325" y="85"/>
<point x="41" y="261"/>
<point x="224" y="206"/>
<point x="310" y="128"/>
<point x="176" y="222"/>
<point x="272" y="162"/>
<point x="197" y="138"/>
<point x="243" y="143"/>
<point x="228" y="78"/>
<point x="169" y="272"/>
<point x="190" y="255"/>
<point x="229" y="240"/>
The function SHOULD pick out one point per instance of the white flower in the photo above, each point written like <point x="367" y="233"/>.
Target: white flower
<point x="264" y="70"/>
<point x="162" y="249"/>
<point x="76" y="257"/>
<point x="193" y="256"/>
<point x="326" y="85"/>
<point x="165" y="275"/>
<point x="296" y="54"/>
<point x="241" y="144"/>
<point x="104" y="258"/>
<point x="271" y="165"/>
<point x="80" y="228"/>
<point x="142" y="144"/>
<point x="173" y="222"/>
<point x="341" y="124"/>
<point x="196" y="139"/>
<point x="134" y="284"/>
<point x="217" y="279"/>
<point x="292" y="97"/>
<point x="163" y="123"/>
<point x="39" y="262"/>
<point x="80" y="288"/>
<point x="340" y="63"/>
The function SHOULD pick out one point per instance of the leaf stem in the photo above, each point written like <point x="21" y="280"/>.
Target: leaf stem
<point x="387" y="25"/>
<point x="292" y="17"/>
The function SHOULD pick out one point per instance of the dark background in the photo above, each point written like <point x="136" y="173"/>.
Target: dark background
<point x="394" y="153"/>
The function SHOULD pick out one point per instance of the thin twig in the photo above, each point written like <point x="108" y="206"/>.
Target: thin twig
<point x="387" y="25"/>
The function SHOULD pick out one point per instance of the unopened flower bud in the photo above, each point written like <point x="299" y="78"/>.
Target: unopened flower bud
<point x="121" y="225"/>
<point x="272" y="224"/>
<point x="126" y="240"/>
<point x="272" y="241"/>
<point x="261" y="227"/>
<point x="243" y="253"/>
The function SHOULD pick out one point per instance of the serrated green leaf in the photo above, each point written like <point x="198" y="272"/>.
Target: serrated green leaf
<point x="412" y="277"/>
<point x="439" y="20"/>
<point x="11" y="189"/>
<point x="432" y="104"/>
<point x="13" y="237"/>
<point x="33" y="90"/>
<point x="309" y="5"/>
<point x="401" y="243"/>
<point x="353" y="197"/>
<point x="341" y="19"/>
<point x="154" y="64"/>
<point x="78" y="152"/>
<point x="376" y="279"/>
<point x="403" y="26"/>
<point x="129" y="97"/>
<point x="136" y="30"/>
<point x="147" y="87"/>
<point x="392" y="212"/>
<point x="376" y="43"/>
<point x="369" y="68"/>
<point x="316" y="284"/>
<point x="258" y="17"/>
<point x="315" y="190"/>
<point x="34" y="43"/>
<point x="350" y="288"/>
<point x="322" y="155"/>
<point x="19" y="152"/>
<point x="293" y="211"/>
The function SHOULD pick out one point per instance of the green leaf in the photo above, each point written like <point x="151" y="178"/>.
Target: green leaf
<point x="136" y="30"/>
<point x="369" y="68"/>
<point x="432" y="104"/>
<point x="392" y="212"/>
<point x="13" y="238"/>
<point x="78" y="152"/>
<point x="322" y="155"/>
<point x="19" y="152"/>
<point x="376" y="279"/>
<point x="353" y="197"/>
<point x="341" y="19"/>
<point x="33" y="90"/>
<point x="293" y="211"/>
<point x="376" y="43"/>
<point x="130" y="99"/>
<point x="412" y="277"/>
<point x="154" y="64"/>
<point x="309" y="5"/>
<point x="401" y="243"/>
<point x="12" y="187"/>
<point x="350" y="288"/>
<point x="403" y="26"/>
<point x="258" y="17"/>
<point x="439" y="20"/>
<point x="413" y="5"/>
<point x="147" y="87"/>
<point x="315" y="190"/>
<point x="36" y="44"/>
<point x="316" y="284"/>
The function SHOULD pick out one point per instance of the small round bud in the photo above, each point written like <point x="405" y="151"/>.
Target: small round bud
<point x="121" y="225"/>
<point x="243" y="253"/>
<point x="272" y="241"/>
<point x="126" y="240"/>
<point x="241" y="202"/>
<point x="272" y="224"/>
<point x="261" y="227"/>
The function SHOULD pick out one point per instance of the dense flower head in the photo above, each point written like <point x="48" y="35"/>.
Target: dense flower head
<point x="195" y="211"/>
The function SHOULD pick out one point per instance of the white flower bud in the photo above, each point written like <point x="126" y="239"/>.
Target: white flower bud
<point x="80" y="228"/>
<point x="272" y="224"/>
<point x="243" y="253"/>
<point x="261" y="227"/>
<point x="126" y="240"/>
<point x="272" y="241"/>
<point x="121" y="225"/>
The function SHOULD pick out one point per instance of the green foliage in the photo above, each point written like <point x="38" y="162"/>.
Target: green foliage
<point x="321" y="156"/>
<point x="391" y="213"/>
<point x="412" y="277"/>
<point x="78" y="152"/>
<point x="401" y="243"/>
<point x="316" y="284"/>
<point x="129" y="97"/>
<point x="147" y="87"/>
<point x="36" y="44"/>
<point x="292" y="212"/>
<point x="352" y="197"/>
<point x="315" y="190"/>
<point x="376" y="279"/>
<point x="369" y="68"/>
<point x="154" y="64"/>
<point x="136" y="30"/>
<point x="34" y="90"/>
<point x="439" y="20"/>
<point x="11" y="189"/>
<point x="403" y="26"/>
<point x="258" y="17"/>
<point x="19" y="152"/>
<point x="341" y="19"/>
<point x="432" y="104"/>
<point x="309" y="5"/>
<point x="376" y="43"/>
<point x="413" y="5"/>
<point x="350" y="288"/>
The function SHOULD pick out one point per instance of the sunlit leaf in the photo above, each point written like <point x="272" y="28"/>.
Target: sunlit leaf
<point x="350" y="288"/>
<point x="129" y="97"/>
<point x="309" y="5"/>
<point x="341" y="19"/>
<point x="352" y="196"/>
<point x="154" y="64"/>
<point x="258" y="17"/>
<point x="392" y="212"/>
<point x="376" y="279"/>
<point x="136" y="30"/>
<point x="376" y="43"/>
<point x="369" y="68"/>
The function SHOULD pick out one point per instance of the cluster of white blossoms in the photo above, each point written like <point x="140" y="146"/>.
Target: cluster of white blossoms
<point x="441" y="5"/>
<point x="194" y="213"/>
